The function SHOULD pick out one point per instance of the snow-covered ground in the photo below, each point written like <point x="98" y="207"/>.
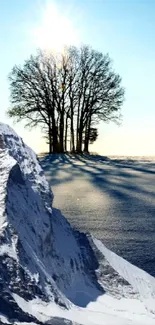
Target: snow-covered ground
<point x="50" y="273"/>
<point x="113" y="198"/>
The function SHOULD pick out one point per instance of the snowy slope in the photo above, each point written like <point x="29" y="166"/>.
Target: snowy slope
<point x="49" y="273"/>
<point x="37" y="244"/>
<point x="142" y="282"/>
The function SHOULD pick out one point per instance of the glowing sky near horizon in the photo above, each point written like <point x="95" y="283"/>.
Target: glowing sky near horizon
<point x="123" y="28"/>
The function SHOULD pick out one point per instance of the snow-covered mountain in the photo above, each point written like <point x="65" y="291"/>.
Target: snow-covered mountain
<point x="49" y="272"/>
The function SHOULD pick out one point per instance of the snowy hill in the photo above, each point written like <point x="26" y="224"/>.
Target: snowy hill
<point x="50" y="273"/>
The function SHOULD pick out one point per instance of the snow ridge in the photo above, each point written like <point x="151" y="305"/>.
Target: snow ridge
<point x="141" y="281"/>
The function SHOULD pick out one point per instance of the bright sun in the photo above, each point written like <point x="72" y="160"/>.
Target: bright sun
<point x="55" y="29"/>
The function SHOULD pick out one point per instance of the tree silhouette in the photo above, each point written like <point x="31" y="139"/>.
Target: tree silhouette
<point x="67" y="95"/>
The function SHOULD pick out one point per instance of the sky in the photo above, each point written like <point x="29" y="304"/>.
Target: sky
<point x="123" y="28"/>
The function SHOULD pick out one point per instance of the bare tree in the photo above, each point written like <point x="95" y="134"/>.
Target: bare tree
<point x="32" y="96"/>
<point x="100" y="95"/>
<point x="66" y="95"/>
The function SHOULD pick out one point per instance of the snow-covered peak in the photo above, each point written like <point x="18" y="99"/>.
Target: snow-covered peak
<point x="27" y="160"/>
<point x="37" y="242"/>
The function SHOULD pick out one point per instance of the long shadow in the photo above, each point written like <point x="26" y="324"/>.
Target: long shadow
<point x="132" y="203"/>
<point x="132" y="164"/>
<point x="52" y="164"/>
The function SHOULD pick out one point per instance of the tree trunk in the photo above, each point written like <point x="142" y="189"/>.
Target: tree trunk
<point x="80" y="125"/>
<point x="86" y="146"/>
<point x="66" y="130"/>
<point x="55" y="140"/>
<point x="72" y="137"/>
<point x="54" y="132"/>
<point x="62" y="132"/>
<point x="80" y="136"/>
<point x="50" y="146"/>
<point x="72" y="129"/>
<point x="80" y="142"/>
<point x="86" y="140"/>
<point x="50" y="139"/>
<point x="77" y="129"/>
<point x="87" y="135"/>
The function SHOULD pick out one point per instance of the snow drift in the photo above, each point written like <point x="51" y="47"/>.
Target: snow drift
<point x="47" y="269"/>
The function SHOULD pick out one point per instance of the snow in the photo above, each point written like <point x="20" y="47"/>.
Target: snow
<point x="24" y="323"/>
<point x="139" y="279"/>
<point x="46" y="238"/>
<point x="5" y="166"/>
<point x="105" y="311"/>
<point x="114" y="199"/>
<point x="4" y="319"/>
<point x="27" y="160"/>
<point x="48" y="270"/>
<point x="8" y="250"/>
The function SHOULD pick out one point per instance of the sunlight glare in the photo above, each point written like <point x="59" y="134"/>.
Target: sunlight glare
<point x="56" y="29"/>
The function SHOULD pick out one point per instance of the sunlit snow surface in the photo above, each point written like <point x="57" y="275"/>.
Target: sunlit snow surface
<point x="50" y="273"/>
<point x="113" y="198"/>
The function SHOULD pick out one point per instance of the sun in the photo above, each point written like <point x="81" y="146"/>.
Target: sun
<point x="55" y="29"/>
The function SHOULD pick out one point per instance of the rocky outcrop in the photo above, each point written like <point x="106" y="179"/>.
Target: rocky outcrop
<point x="40" y="253"/>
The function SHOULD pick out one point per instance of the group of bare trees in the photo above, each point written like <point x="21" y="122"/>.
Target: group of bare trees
<point x="67" y="95"/>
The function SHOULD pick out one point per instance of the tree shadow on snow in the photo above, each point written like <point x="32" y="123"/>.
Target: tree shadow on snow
<point x="129" y="184"/>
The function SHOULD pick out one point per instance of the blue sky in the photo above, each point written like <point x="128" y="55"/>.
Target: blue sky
<point x="123" y="28"/>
